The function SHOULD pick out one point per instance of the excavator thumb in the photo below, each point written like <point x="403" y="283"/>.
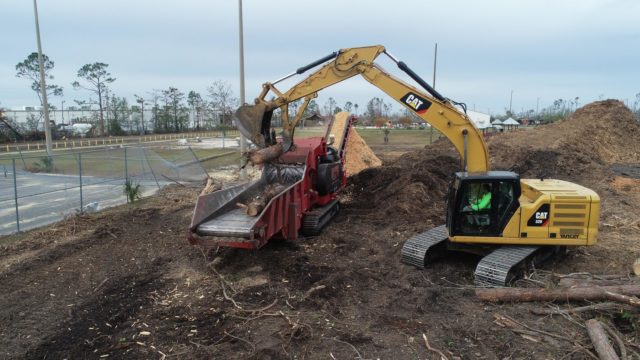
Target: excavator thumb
<point x="254" y="122"/>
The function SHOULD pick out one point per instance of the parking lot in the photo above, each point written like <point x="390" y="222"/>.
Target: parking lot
<point x="47" y="198"/>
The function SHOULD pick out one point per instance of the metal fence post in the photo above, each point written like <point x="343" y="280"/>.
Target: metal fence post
<point x="80" y="171"/>
<point x="126" y="171"/>
<point x="15" y="193"/>
<point x="144" y="154"/>
<point x="24" y="164"/>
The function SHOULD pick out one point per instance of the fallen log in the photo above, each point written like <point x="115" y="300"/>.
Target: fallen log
<point x="576" y="310"/>
<point x="600" y="340"/>
<point x="570" y="294"/>
<point x="573" y="282"/>
<point x="261" y="156"/>
<point x="630" y="300"/>
<point x="258" y="203"/>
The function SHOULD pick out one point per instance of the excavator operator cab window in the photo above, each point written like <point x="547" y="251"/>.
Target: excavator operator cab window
<point x="483" y="206"/>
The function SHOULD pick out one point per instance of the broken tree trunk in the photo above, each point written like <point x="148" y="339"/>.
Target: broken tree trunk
<point x="570" y="294"/>
<point x="631" y="300"/>
<point x="257" y="204"/>
<point x="211" y="186"/>
<point x="600" y="340"/>
<point x="261" y="156"/>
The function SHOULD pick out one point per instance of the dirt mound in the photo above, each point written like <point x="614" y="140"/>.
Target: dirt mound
<point x="580" y="147"/>
<point x="409" y="190"/>
<point x="359" y="155"/>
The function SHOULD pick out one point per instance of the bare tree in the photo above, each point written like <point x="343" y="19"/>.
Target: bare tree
<point x="98" y="77"/>
<point x="329" y="105"/>
<point x="222" y="99"/>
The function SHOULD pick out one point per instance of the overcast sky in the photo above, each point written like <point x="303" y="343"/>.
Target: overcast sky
<point x="539" y="49"/>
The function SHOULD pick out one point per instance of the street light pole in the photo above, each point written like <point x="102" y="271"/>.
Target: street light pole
<point x="435" y="60"/>
<point x="63" y="111"/>
<point x="43" y="86"/>
<point x="510" y="103"/>
<point x="243" y="141"/>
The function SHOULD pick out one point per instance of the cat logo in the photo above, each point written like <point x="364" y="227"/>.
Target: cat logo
<point x="541" y="216"/>
<point x="416" y="102"/>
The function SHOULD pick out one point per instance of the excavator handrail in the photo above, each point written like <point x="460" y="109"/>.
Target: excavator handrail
<point x="431" y="107"/>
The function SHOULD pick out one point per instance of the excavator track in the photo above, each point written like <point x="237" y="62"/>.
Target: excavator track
<point x="314" y="221"/>
<point x="425" y="247"/>
<point x="504" y="265"/>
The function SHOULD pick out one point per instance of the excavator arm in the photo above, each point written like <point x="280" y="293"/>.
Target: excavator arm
<point x="254" y="120"/>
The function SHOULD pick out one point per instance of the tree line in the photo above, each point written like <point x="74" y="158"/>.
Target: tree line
<point x="175" y="111"/>
<point x="170" y="108"/>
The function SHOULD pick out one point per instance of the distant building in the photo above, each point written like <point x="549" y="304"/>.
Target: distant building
<point x="480" y="120"/>
<point x="510" y="123"/>
<point x="314" y="119"/>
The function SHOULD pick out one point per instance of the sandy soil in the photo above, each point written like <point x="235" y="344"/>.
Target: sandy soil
<point x="124" y="284"/>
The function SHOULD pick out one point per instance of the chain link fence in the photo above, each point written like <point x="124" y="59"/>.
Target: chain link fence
<point x="38" y="190"/>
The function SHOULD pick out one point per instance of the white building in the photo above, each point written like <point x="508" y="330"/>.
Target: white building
<point x="480" y="120"/>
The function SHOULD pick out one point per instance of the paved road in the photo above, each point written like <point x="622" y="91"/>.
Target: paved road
<point x="47" y="198"/>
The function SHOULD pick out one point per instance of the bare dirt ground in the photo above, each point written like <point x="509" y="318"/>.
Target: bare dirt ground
<point x="124" y="284"/>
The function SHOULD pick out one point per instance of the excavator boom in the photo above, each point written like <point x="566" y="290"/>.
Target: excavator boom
<point x="433" y="108"/>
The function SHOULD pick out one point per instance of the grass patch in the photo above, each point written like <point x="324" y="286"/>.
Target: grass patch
<point x="110" y="162"/>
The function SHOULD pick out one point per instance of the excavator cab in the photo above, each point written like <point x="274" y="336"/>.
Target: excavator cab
<point x="481" y="204"/>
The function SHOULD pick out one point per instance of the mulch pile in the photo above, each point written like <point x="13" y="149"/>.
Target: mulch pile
<point x="580" y="148"/>
<point x="359" y="155"/>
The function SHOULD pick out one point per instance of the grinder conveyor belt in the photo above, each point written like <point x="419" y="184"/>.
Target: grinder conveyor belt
<point x="233" y="223"/>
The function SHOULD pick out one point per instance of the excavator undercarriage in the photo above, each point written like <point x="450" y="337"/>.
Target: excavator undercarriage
<point x="499" y="265"/>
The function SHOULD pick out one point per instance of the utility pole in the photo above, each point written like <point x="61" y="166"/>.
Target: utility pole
<point x="63" y="111"/>
<point x="435" y="61"/>
<point x="510" y="103"/>
<point x="243" y="141"/>
<point x="140" y="100"/>
<point x="43" y="86"/>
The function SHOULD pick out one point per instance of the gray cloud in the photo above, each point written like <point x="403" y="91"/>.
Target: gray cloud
<point x="540" y="49"/>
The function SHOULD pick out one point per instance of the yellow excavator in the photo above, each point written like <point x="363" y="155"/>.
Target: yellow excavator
<point x="512" y="222"/>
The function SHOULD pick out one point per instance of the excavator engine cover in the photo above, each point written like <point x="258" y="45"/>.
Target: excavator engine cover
<point x="329" y="178"/>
